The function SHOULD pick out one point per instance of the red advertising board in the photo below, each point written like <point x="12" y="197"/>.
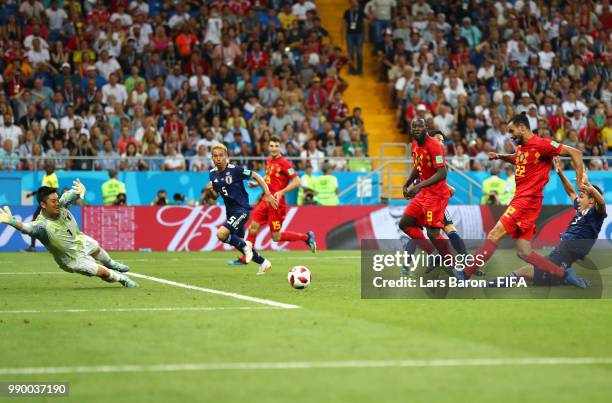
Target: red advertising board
<point x="184" y="228"/>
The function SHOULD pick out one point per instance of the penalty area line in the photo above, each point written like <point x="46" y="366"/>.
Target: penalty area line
<point x="151" y="309"/>
<point x="250" y="366"/>
<point x="216" y="292"/>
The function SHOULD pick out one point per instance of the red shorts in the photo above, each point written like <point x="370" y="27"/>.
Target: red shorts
<point x="428" y="209"/>
<point x="265" y="214"/>
<point x="519" y="219"/>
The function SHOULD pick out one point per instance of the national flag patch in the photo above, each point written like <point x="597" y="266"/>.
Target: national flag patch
<point x="291" y="171"/>
<point x="439" y="159"/>
<point x="554" y="144"/>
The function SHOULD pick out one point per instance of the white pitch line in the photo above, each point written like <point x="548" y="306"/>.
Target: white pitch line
<point x="152" y="309"/>
<point x="477" y="362"/>
<point x="221" y="259"/>
<point x="217" y="292"/>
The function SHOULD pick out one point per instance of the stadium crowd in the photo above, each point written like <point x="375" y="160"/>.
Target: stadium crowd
<point x="143" y="85"/>
<point x="467" y="67"/>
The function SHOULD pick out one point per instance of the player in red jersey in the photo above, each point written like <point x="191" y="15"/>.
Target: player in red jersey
<point x="430" y="196"/>
<point x="281" y="179"/>
<point x="533" y="159"/>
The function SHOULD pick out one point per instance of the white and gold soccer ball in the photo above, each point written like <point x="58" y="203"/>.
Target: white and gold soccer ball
<point x="299" y="277"/>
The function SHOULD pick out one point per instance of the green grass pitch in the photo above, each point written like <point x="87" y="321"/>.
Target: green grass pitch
<point x="332" y="324"/>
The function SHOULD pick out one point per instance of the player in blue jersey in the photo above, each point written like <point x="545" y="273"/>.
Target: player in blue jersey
<point x="227" y="180"/>
<point x="576" y="241"/>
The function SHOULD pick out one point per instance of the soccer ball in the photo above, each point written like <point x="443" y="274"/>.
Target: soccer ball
<point x="299" y="277"/>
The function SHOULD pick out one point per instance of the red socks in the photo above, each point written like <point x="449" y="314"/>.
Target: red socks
<point x="544" y="264"/>
<point x="442" y="246"/>
<point x="251" y="238"/>
<point x="486" y="250"/>
<point x="293" y="236"/>
<point x="416" y="233"/>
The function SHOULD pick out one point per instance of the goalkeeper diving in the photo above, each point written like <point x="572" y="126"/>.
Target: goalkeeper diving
<point x="57" y="229"/>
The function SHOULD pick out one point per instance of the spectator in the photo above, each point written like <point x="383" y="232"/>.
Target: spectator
<point x="312" y="154"/>
<point x="381" y="12"/>
<point x="112" y="188"/>
<point x="75" y="81"/>
<point x="353" y="33"/>
<point x="280" y="119"/>
<point x="108" y="158"/>
<point x="59" y="155"/>
<point x="113" y="88"/>
<point x="201" y="162"/>
<point x="153" y="161"/>
<point x="10" y="131"/>
<point x="85" y="150"/>
<point x="131" y="160"/>
<point x="460" y="160"/>
<point x="174" y="160"/>
<point x="9" y="159"/>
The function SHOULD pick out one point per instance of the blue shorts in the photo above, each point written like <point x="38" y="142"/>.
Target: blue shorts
<point x="235" y="222"/>
<point x="566" y="253"/>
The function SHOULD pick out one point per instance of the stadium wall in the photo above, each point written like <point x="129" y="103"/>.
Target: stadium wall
<point x="143" y="186"/>
<point x="183" y="228"/>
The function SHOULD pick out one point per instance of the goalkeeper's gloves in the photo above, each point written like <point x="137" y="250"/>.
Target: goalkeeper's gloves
<point x="6" y="217"/>
<point x="78" y="188"/>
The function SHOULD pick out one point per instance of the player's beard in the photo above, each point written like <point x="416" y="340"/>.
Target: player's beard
<point x="420" y="137"/>
<point x="519" y="140"/>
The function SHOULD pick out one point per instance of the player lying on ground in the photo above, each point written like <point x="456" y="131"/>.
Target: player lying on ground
<point x="281" y="179"/>
<point x="533" y="159"/>
<point x="576" y="241"/>
<point x="430" y="196"/>
<point x="227" y="180"/>
<point x="57" y="229"/>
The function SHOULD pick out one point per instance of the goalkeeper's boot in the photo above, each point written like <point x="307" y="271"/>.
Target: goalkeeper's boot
<point x="248" y="252"/>
<point x="265" y="267"/>
<point x="120" y="267"/>
<point x="237" y="262"/>
<point x="128" y="282"/>
<point x="311" y="241"/>
<point x="573" y="279"/>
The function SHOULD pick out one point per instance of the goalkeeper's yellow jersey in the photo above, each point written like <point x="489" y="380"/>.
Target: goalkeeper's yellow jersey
<point x="61" y="236"/>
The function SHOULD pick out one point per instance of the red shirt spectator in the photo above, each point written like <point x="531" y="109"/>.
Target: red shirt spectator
<point x="257" y="59"/>
<point x="338" y="109"/>
<point x="123" y="142"/>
